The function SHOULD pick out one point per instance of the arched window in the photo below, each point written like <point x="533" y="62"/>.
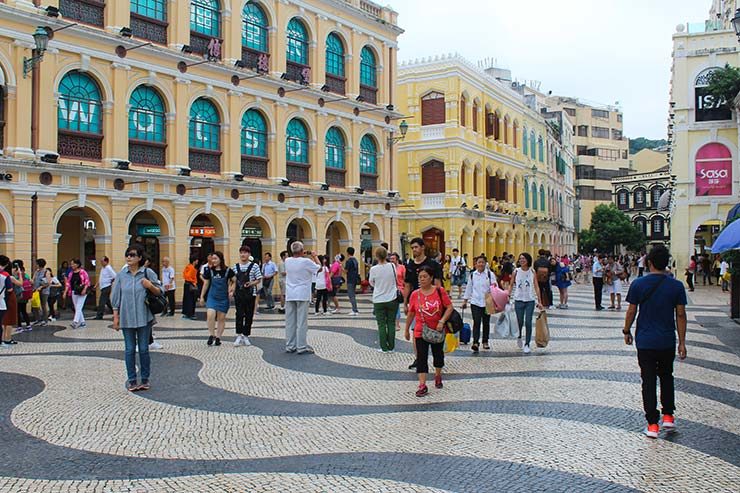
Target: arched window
<point x="506" y="129"/>
<point x="641" y="224"/>
<point x="622" y="200"/>
<point x="296" y="151"/>
<point x="79" y="117"/>
<point x="368" y="76"/>
<point x="368" y="163"/>
<point x="433" y="177"/>
<point x="639" y="199"/>
<point x="463" y="110"/>
<point x="533" y="145"/>
<point x="335" y="149"/>
<point x="476" y="172"/>
<point x="297" y="52"/>
<point x="146" y="127"/>
<point x="255" y="49"/>
<point x="655" y="194"/>
<point x="254" y="144"/>
<point x="496" y="126"/>
<point x="541" y="146"/>
<point x="542" y="198"/>
<point x="90" y="11"/>
<point x="526" y="195"/>
<point x="463" y="173"/>
<point x="433" y="109"/>
<point x="515" y="136"/>
<point x="534" y="196"/>
<point x="2" y="116"/>
<point x="335" y="64"/>
<point x="657" y="227"/>
<point x="204" y="137"/>
<point x="149" y="20"/>
<point x="525" y="142"/>
<point x="475" y="116"/>
<point x="205" y="24"/>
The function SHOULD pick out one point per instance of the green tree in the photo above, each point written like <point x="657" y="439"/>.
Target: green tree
<point x="609" y="229"/>
<point x="725" y="84"/>
<point x="640" y="143"/>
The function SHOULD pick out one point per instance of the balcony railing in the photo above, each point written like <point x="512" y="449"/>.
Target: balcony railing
<point x="205" y="161"/>
<point x="369" y="94"/>
<point x="336" y="84"/>
<point x="432" y="201"/>
<point x="147" y="28"/>
<point x="87" y="11"/>
<point x="336" y="177"/>
<point x="199" y="42"/>
<point x="254" y="166"/>
<point x="148" y="153"/>
<point x="369" y="182"/>
<point x="256" y="60"/>
<point x="432" y="132"/>
<point x="297" y="172"/>
<point x="80" y="145"/>
<point x="298" y="72"/>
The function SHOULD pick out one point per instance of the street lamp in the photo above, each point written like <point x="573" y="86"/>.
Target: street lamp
<point x="403" y="127"/>
<point x="41" y="40"/>
<point x="736" y="23"/>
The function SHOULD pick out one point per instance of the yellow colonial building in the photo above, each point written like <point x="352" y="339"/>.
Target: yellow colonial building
<point x="194" y="125"/>
<point x="477" y="174"/>
<point x="703" y="131"/>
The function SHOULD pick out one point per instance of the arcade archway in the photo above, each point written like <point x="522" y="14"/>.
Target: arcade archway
<point x="255" y="233"/>
<point x="337" y="238"/>
<point x="147" y="228"/>
<point x="205" y="231"/>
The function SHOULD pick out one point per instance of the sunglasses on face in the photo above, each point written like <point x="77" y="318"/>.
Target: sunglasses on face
<point x="132" y="255"/>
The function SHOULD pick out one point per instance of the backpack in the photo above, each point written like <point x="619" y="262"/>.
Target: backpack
<point x="455" y="323"/>
<point x="27" y="292"/>
<point x="242" y="277"/>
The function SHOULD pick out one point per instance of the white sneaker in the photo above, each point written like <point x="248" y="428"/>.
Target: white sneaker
<point x="155" y="345"/>
<point x="519" y="343"/>
<point x="246" y="341"/>
<point x="238" y="340"/>
<point x="353" y="314"/>
<point x="526" y="349"/>
<point x="333" y="310"/>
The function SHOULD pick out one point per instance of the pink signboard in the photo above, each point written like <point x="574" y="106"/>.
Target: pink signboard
<point x="713" y="170"/>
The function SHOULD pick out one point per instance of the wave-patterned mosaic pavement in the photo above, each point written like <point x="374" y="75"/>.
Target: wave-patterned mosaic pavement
<point x="567" y="418"/>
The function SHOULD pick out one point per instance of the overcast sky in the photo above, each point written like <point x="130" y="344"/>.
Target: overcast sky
<point x="601" y="51"/>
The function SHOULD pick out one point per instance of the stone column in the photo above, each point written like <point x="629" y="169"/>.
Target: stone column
<point x="22" y="218"/>
<point x="178" y="15"/>
<point x="180" y="139"/>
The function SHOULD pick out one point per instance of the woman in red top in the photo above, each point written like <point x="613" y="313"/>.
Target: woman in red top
<point x="430" y="306"/>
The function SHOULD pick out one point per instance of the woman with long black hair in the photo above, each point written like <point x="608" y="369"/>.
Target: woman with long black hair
<point x="218" y="287"/>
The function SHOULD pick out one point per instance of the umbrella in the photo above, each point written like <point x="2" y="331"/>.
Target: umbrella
<point x="728" y="239"/>
<point x="734" y="212"/>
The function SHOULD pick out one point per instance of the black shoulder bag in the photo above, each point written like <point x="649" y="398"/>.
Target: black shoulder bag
<point x="399" y="294"/>
<point x="157" y="303"/>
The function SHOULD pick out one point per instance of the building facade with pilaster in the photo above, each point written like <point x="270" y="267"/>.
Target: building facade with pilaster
<point x="193" y="126"/>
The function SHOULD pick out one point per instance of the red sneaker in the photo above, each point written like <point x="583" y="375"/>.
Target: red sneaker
<point x="422" y="391"/>
<point x="669" y="422"/>
<point x="438" y="382"/>
<point x="652" y="431"/>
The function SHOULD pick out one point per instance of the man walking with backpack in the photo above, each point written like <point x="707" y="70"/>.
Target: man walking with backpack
<point x="662" y="312"/>
<point x="248" y="275"/>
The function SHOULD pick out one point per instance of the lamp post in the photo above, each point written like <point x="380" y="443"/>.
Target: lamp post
<point x="736" y="23"/>
<point x="41" y="39"/>
<point x="403" y="127"/>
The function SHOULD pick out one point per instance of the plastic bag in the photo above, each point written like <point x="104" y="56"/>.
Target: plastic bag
<point x="542" y="331"/>
<point x="452" y="341"/>
<point x="502" y="325"/>
<point x="35" y="300"/>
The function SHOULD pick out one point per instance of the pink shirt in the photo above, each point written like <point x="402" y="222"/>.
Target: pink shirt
<point x="83" y="277"/>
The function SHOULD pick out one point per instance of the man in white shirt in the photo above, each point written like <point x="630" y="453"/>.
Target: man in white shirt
<point x="168" y="281"/>
<point x="479" y="283"/>
<point x="299" y="271"/>
<point x="105" y="283"/>
<point x="641" y="265"/>
<point x="457" y="271"/>
<point x="723" y="268"/>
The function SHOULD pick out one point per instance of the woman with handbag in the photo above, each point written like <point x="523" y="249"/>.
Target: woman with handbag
<point x="433" y="307"/>
<point x="386" y="297"/>
<point x="78" y="283"/>
<point x="335" y="273"/>
<point x="132" y="314"/>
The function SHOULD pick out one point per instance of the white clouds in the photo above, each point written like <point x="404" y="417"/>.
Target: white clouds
<point x="599" y="50"/>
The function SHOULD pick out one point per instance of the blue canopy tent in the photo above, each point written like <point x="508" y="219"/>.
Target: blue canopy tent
<point x="728" y="239"/>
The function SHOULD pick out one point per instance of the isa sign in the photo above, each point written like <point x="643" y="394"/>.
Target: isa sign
<point x="713" y="171"/>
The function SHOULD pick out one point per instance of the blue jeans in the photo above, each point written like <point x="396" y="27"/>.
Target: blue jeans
<point x="130" y="339"/>
<point x="351" y="295"/>
<point x="524" y="312"/>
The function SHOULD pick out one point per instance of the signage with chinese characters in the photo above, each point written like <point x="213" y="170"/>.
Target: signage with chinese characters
<point x="306" y="76"/>
<point x="213" y="51"/>
<point x="148" y="230"/>
<point x="203" y="231"/>
<point x="263" y="63"/>
<point x="251" y="232"/>
<point x="713" y="170"/>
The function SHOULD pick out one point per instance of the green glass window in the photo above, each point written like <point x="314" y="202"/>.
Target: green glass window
<point x="368" y="68"/>
<point x="525" y="141"/>
<point x="526" y="192"/>
<point x="534" y="196"/>
<point x="154" y="9"/>
<point x="533" y="145"/>
<point x="335" y="149"/>
<point x="205" y="126"/>
<point x="146" y="120"/>
<point x="542" y="149"/>
<point x="254" y="27"/>
<point x="368" y="156"/>
<point x="205" y="17"/>
<point x="296" y="142"/>
<point x="254" y="134"/>
<point x="297" y="42"/>
<point x="79" y="104"/>
<point x="334" y="55"/>
<point x="542" y="198"/>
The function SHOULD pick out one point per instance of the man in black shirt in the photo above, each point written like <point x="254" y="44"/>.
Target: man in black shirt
<point x="411" y="280"/>
<point x="542" y="270"/>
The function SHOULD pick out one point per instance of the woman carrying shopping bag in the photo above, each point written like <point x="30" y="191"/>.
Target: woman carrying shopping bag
<point x="526" y="293"/>
<point x="433" y="308"/>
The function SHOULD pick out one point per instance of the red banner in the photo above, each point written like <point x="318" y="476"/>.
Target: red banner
<point x="713" y="170"/>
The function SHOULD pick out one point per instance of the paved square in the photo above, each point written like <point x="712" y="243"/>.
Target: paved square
<point x="566" y="418"/>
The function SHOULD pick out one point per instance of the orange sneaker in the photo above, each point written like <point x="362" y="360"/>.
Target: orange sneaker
<point x="669" y="422"/>
<point x="652" y="431"/>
